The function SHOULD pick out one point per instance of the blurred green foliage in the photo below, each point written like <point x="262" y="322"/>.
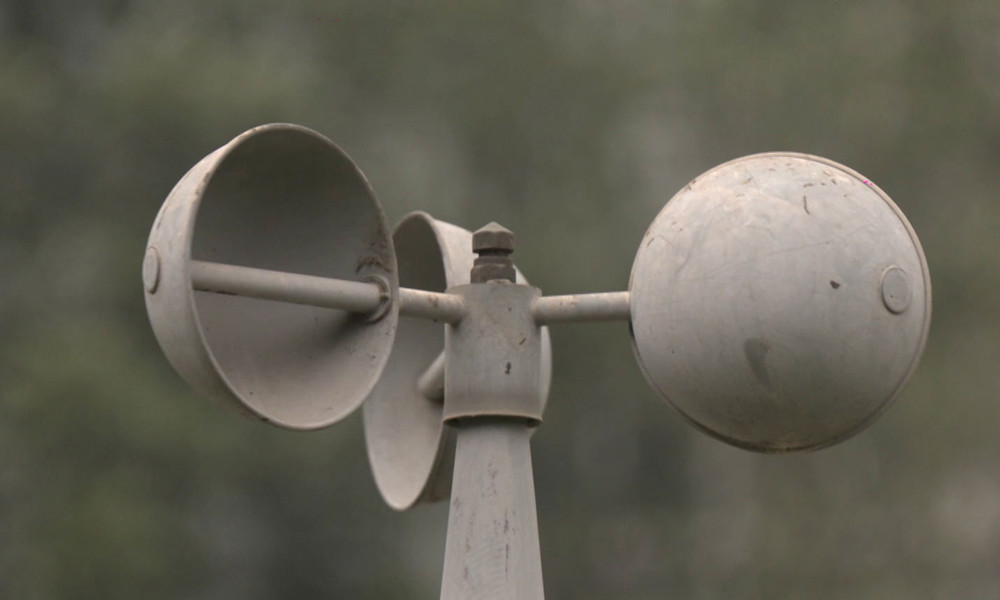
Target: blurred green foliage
<point x="571" y="122"/>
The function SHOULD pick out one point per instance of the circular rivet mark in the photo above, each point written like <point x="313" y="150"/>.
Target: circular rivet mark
<point x="151" y="269"/>
<point x="896" y="292"/>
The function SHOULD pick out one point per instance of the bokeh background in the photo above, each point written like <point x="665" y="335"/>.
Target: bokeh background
<point x="571" y="122"/>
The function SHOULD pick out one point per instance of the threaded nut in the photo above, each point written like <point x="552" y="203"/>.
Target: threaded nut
<point x="494" y="244"/>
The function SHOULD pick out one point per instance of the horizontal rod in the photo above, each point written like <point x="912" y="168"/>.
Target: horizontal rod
<point x="431" y="382"/>
<point x="580" y="308"/>
<point x="354" y="296"/>
<point x="431" y="306"/>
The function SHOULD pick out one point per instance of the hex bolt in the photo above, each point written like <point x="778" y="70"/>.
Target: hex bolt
<point x="493" y="244"/>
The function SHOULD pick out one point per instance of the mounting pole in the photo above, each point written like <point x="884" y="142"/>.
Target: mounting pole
<point x="492" y="552"/>
<point x="493" y="399"/>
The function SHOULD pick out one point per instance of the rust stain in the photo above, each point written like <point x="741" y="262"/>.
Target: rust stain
<point x="371" y="261"/>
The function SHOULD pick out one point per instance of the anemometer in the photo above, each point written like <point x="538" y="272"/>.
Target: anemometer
<point x="779" y="302"/>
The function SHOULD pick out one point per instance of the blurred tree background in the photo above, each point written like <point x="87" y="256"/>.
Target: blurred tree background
<point x="572" y="123"/>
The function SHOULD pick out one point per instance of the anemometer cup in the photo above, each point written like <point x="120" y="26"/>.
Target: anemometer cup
<point x="780" y="302"/>
<point x="283" y="198"/>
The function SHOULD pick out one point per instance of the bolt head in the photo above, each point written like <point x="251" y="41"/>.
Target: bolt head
<point x="493" y="238"/>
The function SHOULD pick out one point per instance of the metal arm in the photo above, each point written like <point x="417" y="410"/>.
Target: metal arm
<point x="431" y="382"/>
<point x="578" y="308"/>
<point x="430" y="306"/>
<point x="355" y="296"/>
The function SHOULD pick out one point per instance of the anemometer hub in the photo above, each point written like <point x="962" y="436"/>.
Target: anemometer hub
<point x="493" y="356"/>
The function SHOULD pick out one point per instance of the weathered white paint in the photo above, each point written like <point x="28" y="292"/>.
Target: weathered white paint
<point x="492" y="552"/>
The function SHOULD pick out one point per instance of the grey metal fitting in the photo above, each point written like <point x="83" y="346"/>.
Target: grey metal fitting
<point x="494" y="355"/>
<point x="493" y="244"/>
